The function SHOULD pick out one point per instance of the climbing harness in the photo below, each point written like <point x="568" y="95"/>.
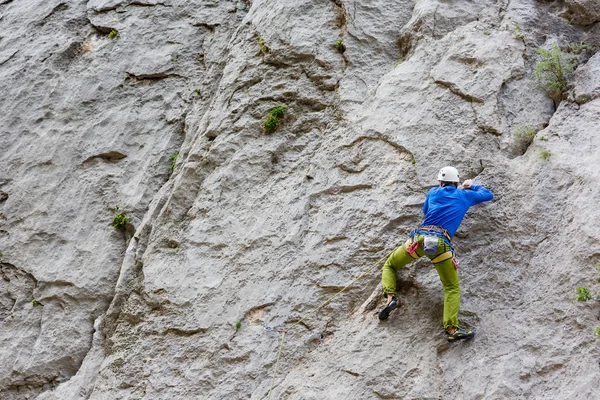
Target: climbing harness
<point x="315" y="310"/>
<point x="430" y="245"/>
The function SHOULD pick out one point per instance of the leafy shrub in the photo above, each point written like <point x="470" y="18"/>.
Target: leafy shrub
<point x="554" y="69"/>
<point x="578" y="48"/>
<point x="120" y="220"/>
<point x="339" y="45"/>
<point x="113" y="33"/>
<point x="238" y="325"/>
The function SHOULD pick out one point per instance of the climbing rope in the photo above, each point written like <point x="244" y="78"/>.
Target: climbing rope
<point x="315" y="310"/>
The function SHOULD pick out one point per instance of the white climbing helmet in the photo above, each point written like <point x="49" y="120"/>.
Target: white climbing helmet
<point x="449" y="174"/>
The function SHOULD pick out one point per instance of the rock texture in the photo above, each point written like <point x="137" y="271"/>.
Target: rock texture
<point x="157" y="107"/>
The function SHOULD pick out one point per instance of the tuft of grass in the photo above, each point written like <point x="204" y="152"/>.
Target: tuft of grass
<point x="173" y="159"/>
<point x="413" y="161"/>
<point x="553" y="69"/>
<point x="120" y="220"/>
<point x="36" y="303"/>
<point x="198" y="92"/>
<point x="524" y="134"/>
<point x="263" y="46"/>
<point x="238" y="325"/>
<point x="273" y="119"/>
<point x="113" y="33"/>
<point x="398" y="63"/>
<point x="545" y="154"/>
<point x="486" y="32"/>
<point x="543" y="138"/>
<point x="339" y="45"/>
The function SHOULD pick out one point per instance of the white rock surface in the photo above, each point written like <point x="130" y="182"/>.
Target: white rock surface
<point x="262" y="228"/>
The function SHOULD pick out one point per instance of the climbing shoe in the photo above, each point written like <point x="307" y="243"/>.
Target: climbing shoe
<point x="385" y="311"/>
<point x="460" y="334"/>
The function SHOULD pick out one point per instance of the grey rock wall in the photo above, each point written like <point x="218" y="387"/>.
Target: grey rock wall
<point x="260" y="228"/>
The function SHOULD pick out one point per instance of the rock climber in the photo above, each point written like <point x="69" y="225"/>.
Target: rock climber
<point x="444" y="209"/>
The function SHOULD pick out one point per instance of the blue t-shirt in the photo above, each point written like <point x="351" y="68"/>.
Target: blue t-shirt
<point x="447" y="206"/>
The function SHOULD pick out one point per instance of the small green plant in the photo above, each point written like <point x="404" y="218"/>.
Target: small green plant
<point x="120" y="220"/>
<point x="524" y="134"/>
<point x="271" y="123"/>
<point x="273" y="119"/>
<point x="263" y="47"/>
<point x="198" y="92"/>
<point x="173" y="159"/>
<point x="486" y="32"/>
<point x="580" y="48"/>
<point x="36" y="303"/>
<point x="544" y="138"/>
<point x="238" y="325"/>
<point x="583" y="294"/>
<point x="398" y="63"/>
<point x="545" y="154"/>
<point x="339" y="45"/>
<point x="278" y="111"/>
<point x="598" y="331"/>
<point x="517" y="32"/>
<point x="113" y="33"/>
<point x="554" y="68"/>
<point x="413" y="162"/>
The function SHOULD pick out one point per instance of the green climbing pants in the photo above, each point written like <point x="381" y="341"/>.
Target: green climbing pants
<point x="445" y="268"/>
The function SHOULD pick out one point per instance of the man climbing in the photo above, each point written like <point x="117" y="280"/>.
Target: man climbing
<point x="444" y="209"/>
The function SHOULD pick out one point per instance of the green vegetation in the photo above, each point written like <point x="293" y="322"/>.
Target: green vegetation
<point x="113" y="33"/>
<point x="413" y="161"/>
<point x="173" y="159"/>
<point x="545" y="154"/>
<point x="580" y="48"/>
<point x="238" y="325"/>
<point x="584" y="294"/>
<point x="198" y="92"/>
<point x="36" y="303"/>
<point x="524" y="134"/>
<point x="543" y="138"/>
<point x="486" y="32"/>
<point x="1" y="254"/>
<point x="517" y="33"/>
<point x="278" y="111"/>
<point x="553" y="69"/>
<point x="273" y="119"/>
<point x="120" y="220"/>
<point x="398" y="63"/>
<point x="339" y="45"/>
<point x="263" y="47"/>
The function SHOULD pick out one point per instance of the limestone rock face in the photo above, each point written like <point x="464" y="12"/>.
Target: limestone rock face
<point x="236" y="234"/>
<point x="583" y="12"/>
